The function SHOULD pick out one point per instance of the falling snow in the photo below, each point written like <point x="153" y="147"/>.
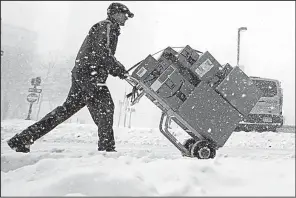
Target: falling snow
<point x="66" y="162"/>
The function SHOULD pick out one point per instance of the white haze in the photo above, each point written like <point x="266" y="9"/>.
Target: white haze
<point x="267" y="47"/>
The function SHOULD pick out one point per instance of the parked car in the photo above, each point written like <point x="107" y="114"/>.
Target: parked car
<point x="267" y="114"/>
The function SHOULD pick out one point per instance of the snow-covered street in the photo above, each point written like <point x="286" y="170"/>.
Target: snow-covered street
<point x="65" y="163"/>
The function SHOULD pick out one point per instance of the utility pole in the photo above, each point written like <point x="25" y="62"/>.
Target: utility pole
<point x="2" y="52"/>
<point x="238" y="43"/>
<point x="125" y="106"/>
<point x="131" y="110"/>
<point x="120" y="111"/>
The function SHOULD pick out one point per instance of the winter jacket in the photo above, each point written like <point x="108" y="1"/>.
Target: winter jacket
<point x="95" y="59"/>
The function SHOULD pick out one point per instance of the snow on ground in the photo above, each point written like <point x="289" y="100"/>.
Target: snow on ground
<point x="65" y="163"/>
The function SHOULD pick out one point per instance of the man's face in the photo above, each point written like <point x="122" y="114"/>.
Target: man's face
<point x="120" y="18"/>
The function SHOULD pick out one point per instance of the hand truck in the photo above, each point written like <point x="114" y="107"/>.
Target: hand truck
<point x="207" y="100"/>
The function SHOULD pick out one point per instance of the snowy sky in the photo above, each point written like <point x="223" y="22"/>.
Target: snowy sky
<point x="267" y="47"/>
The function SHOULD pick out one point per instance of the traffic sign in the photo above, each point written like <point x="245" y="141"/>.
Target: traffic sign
<point x="35" y="90"/>
<point x="32" y="97"/>
<point x="36" y="81"/>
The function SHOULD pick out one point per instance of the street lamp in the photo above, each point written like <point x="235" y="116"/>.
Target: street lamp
<point x="2" y="52"/>
<point x="238" y="42"/>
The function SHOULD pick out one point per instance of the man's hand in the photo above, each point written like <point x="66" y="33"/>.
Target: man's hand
<point x="127" y="76"/>
<point x="124" y="75"/>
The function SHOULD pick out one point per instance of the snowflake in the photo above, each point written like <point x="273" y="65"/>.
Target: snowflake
<point x="93" y="73"/>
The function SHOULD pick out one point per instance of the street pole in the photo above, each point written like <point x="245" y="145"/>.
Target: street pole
<point x="38" y="112"/>
<point x="33" y="97"/>
<point x="238" y="43"/>
<point x="30" y="111"/>
<point x="131" y="110"/>
<point x="2" y="52"/>
<point x="30" y="108"/>
<point x="120" y="109"/>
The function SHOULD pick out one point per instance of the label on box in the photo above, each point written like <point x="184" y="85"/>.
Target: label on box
<point x="204" y="68"/>
<point x="156" y="85"/>
<point x="162" y="78"/>
<point x="141" y="72"/>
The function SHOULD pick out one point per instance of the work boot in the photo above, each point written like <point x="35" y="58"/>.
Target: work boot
<point x="111" y="150"/>
<point x="108" y="149"/>
<point x="20" y="143"/>
<point x="108" y="146"/>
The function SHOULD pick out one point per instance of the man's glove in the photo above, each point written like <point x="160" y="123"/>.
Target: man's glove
<point x="127" y="76"/>
<point x="124" y="75"/>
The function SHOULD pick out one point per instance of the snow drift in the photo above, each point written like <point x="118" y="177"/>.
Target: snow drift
<point x="65" y="163"/>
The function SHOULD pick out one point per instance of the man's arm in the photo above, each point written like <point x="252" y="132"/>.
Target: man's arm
<point x="115" y="68"/>
<point x="101" y="41"/>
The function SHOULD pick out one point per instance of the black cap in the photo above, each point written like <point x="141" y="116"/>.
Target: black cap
<point x="119" y="8"/>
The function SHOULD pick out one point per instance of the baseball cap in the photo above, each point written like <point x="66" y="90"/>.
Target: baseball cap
<point x="119" y="8"/>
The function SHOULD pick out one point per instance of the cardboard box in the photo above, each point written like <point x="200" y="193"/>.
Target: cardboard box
<point x="209" y="114"/>
<point x="170" y="53"/>
<point x="188" y="57"/>
<point x="147" y="71"/>
<point x="188" y="75"/>
<point x="166" y="59"/>
<point x="206" y="67"/>
<point x="172" y="87"/>
<point x="169" y="57"/>
<point x="220" y="75"/>
<point x="239" y="90"/>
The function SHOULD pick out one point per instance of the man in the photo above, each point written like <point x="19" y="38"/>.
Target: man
<point x="95" y="60"/>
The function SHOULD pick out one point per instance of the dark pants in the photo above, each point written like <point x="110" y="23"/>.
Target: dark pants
<point x="100" y="106"/>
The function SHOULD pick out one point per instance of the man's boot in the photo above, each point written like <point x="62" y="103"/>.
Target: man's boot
<point x="21" y="142"/>
<point x="104" y="147"/>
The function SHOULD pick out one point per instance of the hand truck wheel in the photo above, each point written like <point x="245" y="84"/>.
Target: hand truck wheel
<point x="189" y="143"/>
<point x="203" y="150"/>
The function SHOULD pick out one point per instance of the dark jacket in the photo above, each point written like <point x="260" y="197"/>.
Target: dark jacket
<point x="95" y="59"/>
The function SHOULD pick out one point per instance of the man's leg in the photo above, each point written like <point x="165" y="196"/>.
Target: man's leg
<point x="74" y="102"/>
<point x="101" y="108"/>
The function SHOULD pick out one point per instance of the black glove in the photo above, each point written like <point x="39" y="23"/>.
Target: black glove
<point x="123" y="75"/>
